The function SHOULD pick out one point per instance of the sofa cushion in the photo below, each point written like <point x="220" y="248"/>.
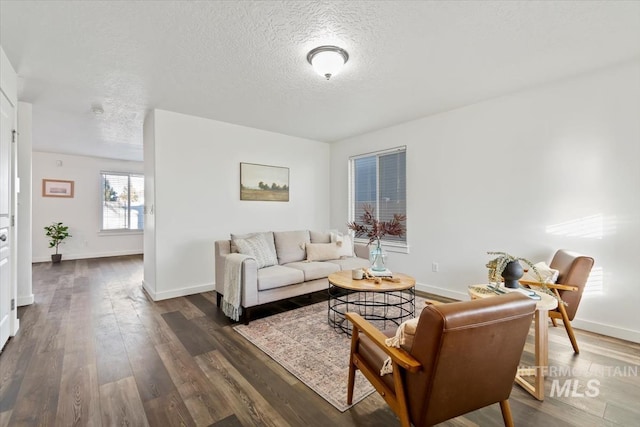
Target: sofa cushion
<point x="314" y="270"/>
<point x="350" y="263"/>
<point x="258" y="247"/>
<point x="277" y="276"/>
<point x="320" y="237"/>
<point x="322" y="251"/>
<point x="267" y="234"/>
<point x="290" y="245"/>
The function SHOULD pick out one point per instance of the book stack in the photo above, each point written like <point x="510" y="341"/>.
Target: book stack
<point x="383" y="273"/>
<point x="524" y="291"/>
<point x="528" y="292"/>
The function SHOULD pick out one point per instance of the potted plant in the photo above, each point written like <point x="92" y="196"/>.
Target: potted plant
<point x="375" y="230"/>
<point x="508" y="267"/>
<point x="56" y="233"/>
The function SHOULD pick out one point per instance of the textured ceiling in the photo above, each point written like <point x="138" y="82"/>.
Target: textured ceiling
<point x="245" y="62"/>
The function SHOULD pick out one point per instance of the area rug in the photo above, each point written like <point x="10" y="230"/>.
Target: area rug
<point x="304" y="343"/>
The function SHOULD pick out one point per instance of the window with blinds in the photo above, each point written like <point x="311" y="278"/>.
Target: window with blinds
<point x="122" y="201"/>
<point x="380" y="180"/>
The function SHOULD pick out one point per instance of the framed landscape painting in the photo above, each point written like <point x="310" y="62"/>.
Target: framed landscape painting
<point x="57" y="188"/>
<point x="262" y="182"/>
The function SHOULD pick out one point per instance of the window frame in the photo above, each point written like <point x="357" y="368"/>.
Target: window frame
<point x="391" y="246"/>
<point x="121" y="231"/>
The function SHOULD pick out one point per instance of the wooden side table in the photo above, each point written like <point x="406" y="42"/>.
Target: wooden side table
<point x="386" y="302"/>
<point x="546" y="303"/>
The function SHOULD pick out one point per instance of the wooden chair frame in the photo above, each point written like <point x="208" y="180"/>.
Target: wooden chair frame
<point x="402" y="363"/>
<point x="562" y="312"/>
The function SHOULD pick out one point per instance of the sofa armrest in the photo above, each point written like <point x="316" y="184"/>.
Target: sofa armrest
<point x="222" y="249"/>
<point x="361" y="250"/>
<point x="249" y="283"/>
<point x="249" y="274"/>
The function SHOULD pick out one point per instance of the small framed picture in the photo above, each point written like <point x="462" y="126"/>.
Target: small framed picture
<point x="262" y="182"/>
<point x="57" y="188"/>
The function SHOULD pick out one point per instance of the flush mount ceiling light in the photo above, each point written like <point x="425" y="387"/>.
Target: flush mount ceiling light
<point x="327" y="60"/>
<point x="97" y="110"/>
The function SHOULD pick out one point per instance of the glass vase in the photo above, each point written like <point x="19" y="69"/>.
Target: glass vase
<point x="377" y="258"/>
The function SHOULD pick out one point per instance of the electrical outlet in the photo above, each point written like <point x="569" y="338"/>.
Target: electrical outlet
<point x="435" y="267"/>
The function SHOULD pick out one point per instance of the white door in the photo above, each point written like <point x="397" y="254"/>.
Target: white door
<point x="6" y="130"/>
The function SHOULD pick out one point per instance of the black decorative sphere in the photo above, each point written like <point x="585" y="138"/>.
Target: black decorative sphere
<point x="512" y="272"/>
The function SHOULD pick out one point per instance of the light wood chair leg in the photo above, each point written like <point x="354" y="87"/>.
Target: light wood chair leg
<point x="567" y="326"/>
<point x="506" y="413"/>
<point x="402" y="409"/>
<point x="351" y="383"/>
<point x="553" y="322"/>
<point x="352" y="366"/>
<point x="572" y="337"/>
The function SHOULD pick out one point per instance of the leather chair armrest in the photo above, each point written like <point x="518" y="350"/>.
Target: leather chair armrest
<point x="398" y="355"/>
<point x="561" y="287"/>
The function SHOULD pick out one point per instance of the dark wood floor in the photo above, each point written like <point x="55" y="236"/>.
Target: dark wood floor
<point x="95" y="350"/>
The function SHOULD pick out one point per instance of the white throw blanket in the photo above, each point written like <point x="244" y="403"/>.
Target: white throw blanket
<point x="232" y="297"/>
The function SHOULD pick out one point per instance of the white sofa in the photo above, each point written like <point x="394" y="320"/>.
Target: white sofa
<point x="304" y="261"/>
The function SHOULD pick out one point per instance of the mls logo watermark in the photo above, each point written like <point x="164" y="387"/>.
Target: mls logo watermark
<point x="569" y="381"/>
<point x="573" y="388"/>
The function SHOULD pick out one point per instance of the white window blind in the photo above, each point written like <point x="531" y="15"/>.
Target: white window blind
<point x="122" y="201"/>
<point x="379" y="179"/>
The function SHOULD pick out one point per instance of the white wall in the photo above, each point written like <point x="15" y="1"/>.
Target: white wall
<point x="499" y="174"/>
<point x="197" y="194"/>
<point x="82" y="212"/>
<point x="25" y="292"/>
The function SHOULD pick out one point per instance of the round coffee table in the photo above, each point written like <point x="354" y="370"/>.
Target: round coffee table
<point x="389" y="301"/>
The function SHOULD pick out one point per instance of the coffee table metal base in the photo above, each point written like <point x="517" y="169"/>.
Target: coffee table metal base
<point x="383" y="308"/>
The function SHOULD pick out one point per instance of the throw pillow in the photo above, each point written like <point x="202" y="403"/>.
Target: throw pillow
<point x="403" y="338"/>
<point x="404" y="335"/>
<point x="322" y="251"/>
<point x="234" y="237"/>
<point x="257" y="247"/>
<point x="547" y="274"/>
<point x="344" y="243"/>
<point x="268" y="235"/>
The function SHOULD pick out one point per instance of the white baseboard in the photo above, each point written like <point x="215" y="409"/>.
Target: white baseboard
<point x="609" y="330"/>
<point x="70" y="257"/>
<point x="462" y="296"/>
<point x="174" y="293"/>
<point x="148" y="290"/>
<point x="598" y="328"/>
<point x="24" y="300"/>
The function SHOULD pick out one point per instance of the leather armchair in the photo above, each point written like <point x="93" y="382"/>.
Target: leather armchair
<point x="464" y="356"/>
<point x="574" y="271"/>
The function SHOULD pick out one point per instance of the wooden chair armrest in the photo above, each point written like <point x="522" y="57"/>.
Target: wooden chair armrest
<point x="398" y="355"/>
<point x="562" y="287"/>
<point x="558" y="286"/>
